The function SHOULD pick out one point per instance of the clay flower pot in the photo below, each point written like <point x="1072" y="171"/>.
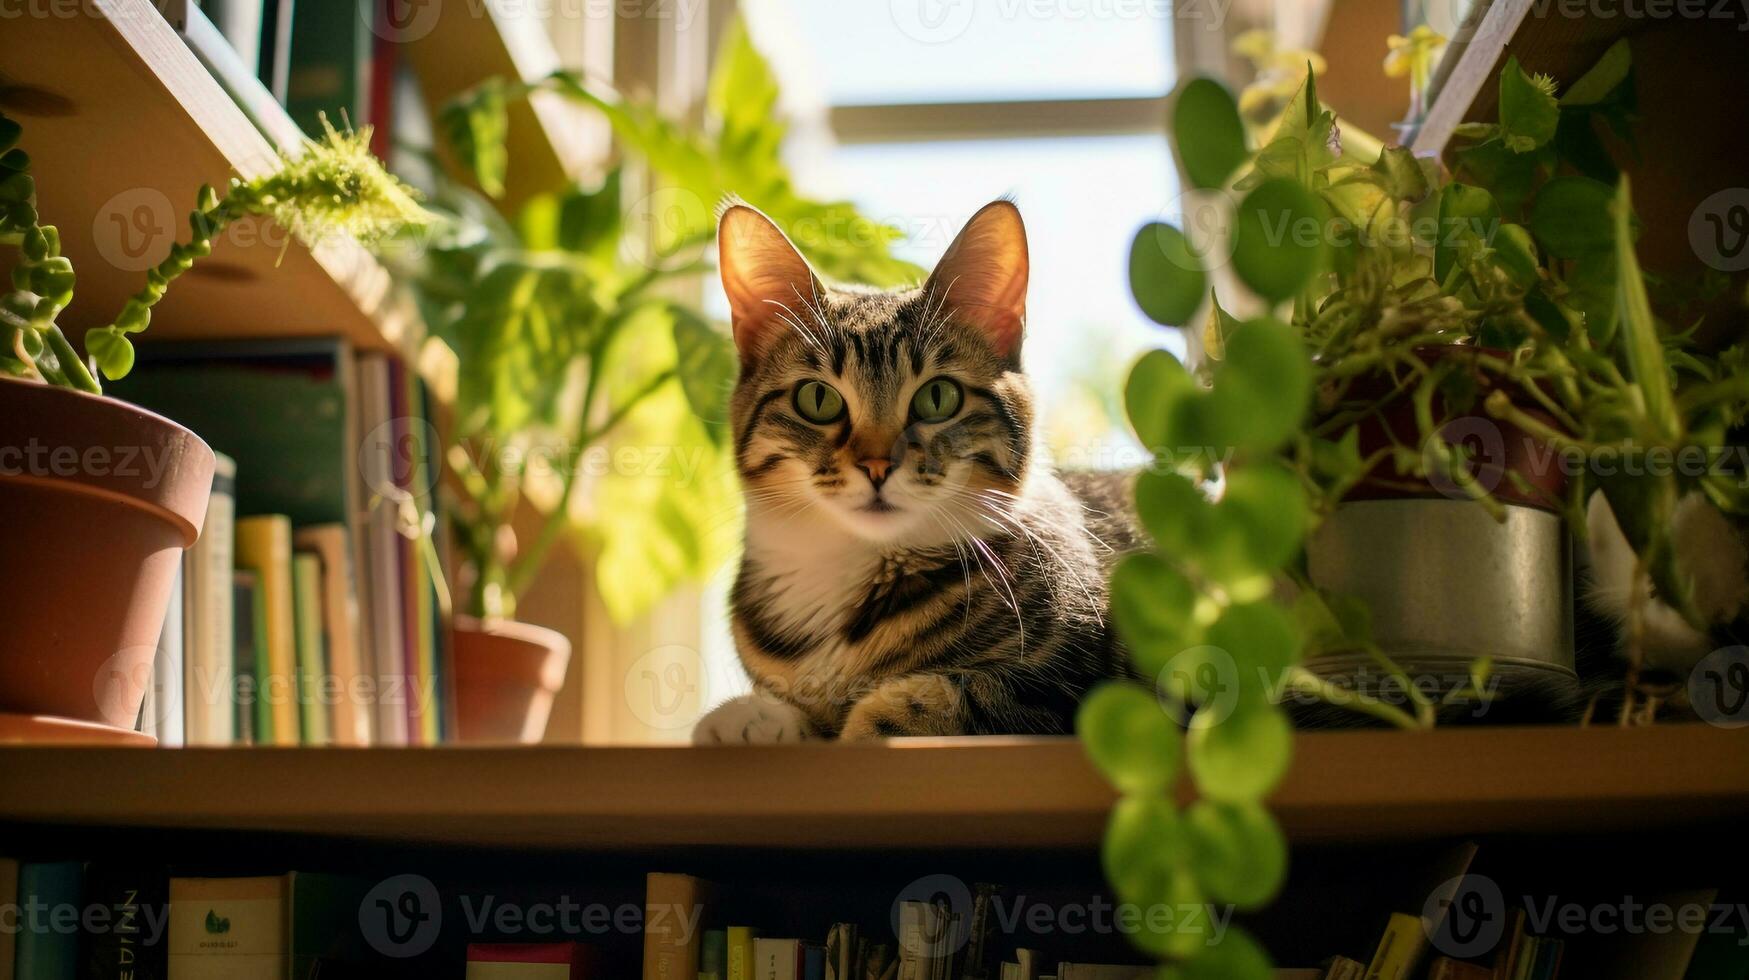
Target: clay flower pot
<point x="506" y="676"/>
<point x="100" y="499"/>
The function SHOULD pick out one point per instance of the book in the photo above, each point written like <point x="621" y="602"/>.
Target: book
<point x="48" y="912"/>
<point x="347" y="676"/>
<point x="275" y="57"/>
<point x="1446" y="968"/>
<point x="8" y="896"/>
<point x="249" y="638"/>
<point x="380" y="574"/>
<point x="161" y="708"/>
<point x="975" y="962"/>
<point x="777" y="959"/>
<point x="841" y="947"/>
<point x="713" y="955"/>
<point x="325" y="917"/>
<point x="740" y="962"/>
<point x="208" y="32"/>
<point x="126" y="910"/>
<point x="1398" y="948"/>
<point x="312" y="648"/>
<point x="813" y="962"/>
<point x="229" y="928"/>
<point x="1343" y="968"/>
<point x="1102" y="971"/>
<point x="915" y="920"/>
<point x="209" y="690"/>
<point x="878" y="964"/>
<point x="1029" y="963"/>
<point x="530" y="961"/>
<point x="674" y="907"/>
<point x="264" y="547"/>
<point x="329" y="70"/>
<point x="239" y="23"/>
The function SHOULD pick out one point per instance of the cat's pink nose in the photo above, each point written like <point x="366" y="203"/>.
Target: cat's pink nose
<point x="876" y="469"/>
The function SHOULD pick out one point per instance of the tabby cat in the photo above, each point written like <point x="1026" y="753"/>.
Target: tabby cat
<point x="913" y="566"/>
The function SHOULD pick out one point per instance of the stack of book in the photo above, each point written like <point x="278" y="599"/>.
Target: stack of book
<point x="308" y="611"/>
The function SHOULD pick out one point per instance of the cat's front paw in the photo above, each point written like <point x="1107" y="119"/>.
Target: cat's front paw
<point x="917" y="704"/>
<point x="752" y="720"/>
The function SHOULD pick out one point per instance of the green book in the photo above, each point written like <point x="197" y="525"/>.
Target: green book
<point x="713" y="955"/>
<point x="47" y="895"/>
<point x="312" y="648"/>
<point x="330" y="62"/>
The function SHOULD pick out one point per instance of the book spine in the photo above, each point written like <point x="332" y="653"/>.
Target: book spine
<point x="740" y="966"/>
<point x="161" y="713"/>
<point x="312" y="659"/>
<point x="376" y="470"/>
<point x="47" y="943"/>
<point x="349" y="721"/>
<point x="127" y="912"/>
<point x="673" y="908"/>
<point x="264" y="547"/>
<point x="1397" y="949"/>
<point x="209" y="679"/>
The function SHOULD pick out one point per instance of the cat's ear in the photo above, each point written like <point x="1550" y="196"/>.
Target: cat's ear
<point x="765" y="278"/>
<point x="983" y="276"/>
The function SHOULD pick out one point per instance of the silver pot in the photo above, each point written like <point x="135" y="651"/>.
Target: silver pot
<point x="1447" y="584"/>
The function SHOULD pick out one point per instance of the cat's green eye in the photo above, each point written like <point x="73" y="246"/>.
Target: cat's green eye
<point x="937" y="400"/>
<point x="819" y="402"/>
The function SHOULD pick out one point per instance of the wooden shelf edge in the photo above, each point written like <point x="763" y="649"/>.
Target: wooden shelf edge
<point x="120" y="77"/>
<point x="926" y="793"/>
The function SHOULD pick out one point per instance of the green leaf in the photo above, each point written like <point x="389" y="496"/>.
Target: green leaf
<point x="1267" y="503"/>
<point x="1207" y="133"/>
<point x="1515" y="253"/>
<point x="1528" y="110"/>
<point x="1645" y="352"/>
<point x="112" y="351"/>
<point x="1264" y="386"/>
<point x="478" y="127"/>
<point x="1157" y="388"/>
<point x="1153" y="605"/>
<point x="1239" y="758"/>
<point x="1166" y="278"/>
<point x="1468" y="219"/>
<point x="1279" y="239"/>
<point x="1170" y="506"/>
<point x="1236" y="957"/>
<point x="1237" y="851"/>
<point x="707" y="367"/>
<point x="1402" y="173"/>
<point x="1144" y="847"/>
<point x="1571" y="217"/>
<point x="1130" y="737"/>
<point x="1260" y="638"/>
<point x="1601" y="80"/>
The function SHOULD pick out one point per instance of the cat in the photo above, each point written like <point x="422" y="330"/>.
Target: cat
<point x="913" y="565"/>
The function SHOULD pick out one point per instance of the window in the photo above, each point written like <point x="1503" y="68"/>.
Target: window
<point x="932" y="108"/>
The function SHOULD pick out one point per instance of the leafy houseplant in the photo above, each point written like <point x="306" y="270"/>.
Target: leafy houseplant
<point x="569" y="333"/>
<point x="1511" y="298"/>
<point x="114" y="493"/>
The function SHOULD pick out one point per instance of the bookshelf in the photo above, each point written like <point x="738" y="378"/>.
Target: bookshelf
<point x="123" y="125"/>
<point x="1358" y="787"/>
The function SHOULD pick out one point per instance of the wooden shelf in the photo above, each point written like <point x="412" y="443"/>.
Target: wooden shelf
<point x="123" y="125"/>
<point x="1690" y="88"/>
<point x="914" y="793"/>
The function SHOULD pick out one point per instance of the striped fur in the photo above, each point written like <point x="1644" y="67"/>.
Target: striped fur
<point x="972" y="599"/>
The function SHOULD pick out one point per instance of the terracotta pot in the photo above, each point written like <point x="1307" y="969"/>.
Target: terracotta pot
<point x="1497" y="447"/>
<point x="506" y="676"/>
<point x="99" y="500"/>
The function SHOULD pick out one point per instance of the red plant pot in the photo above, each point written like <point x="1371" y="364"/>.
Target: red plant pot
<point x="506" y="676"/>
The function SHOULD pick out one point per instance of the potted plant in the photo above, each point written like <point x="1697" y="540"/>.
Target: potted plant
<point x="105" y="495"/>
<point x="1521" y="315"/>
<point x="568" y="333"/>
